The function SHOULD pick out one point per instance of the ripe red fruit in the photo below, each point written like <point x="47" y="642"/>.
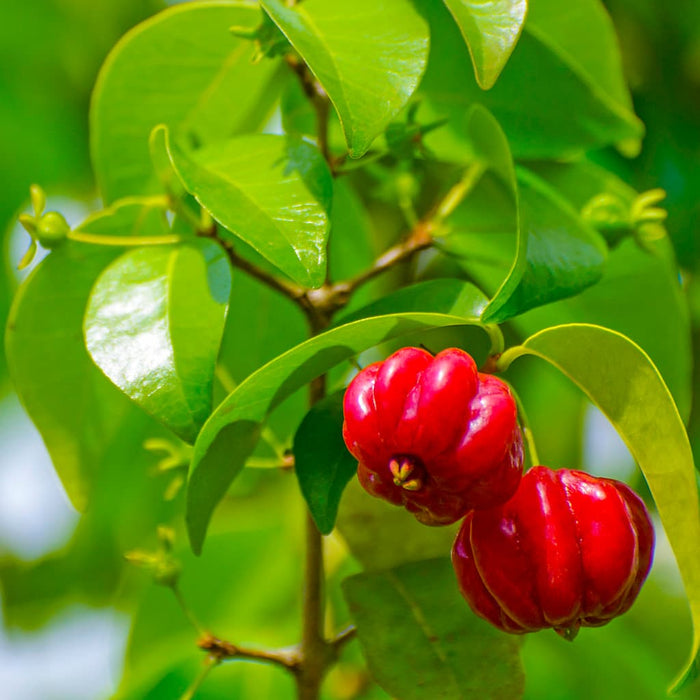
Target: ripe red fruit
<point x="567" y="550"/>
<point x="433" y="434"/>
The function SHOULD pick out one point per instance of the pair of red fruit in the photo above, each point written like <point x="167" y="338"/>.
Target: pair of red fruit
<point x="559" y="549"/>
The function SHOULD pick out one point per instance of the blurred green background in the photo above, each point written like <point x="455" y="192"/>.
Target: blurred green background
<point x="68" y="602"/>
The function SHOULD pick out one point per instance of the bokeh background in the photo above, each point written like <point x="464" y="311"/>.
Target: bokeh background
<point x="65" y="623"/>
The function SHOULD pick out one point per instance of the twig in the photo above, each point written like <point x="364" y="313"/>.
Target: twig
<point x="222" y="650"/>
<point x="185" y="609"/>
<point x="418" y="239"/>
<point x="292" y="291"/>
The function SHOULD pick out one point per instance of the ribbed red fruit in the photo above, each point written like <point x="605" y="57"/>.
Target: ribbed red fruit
<point x="433" y="434"/>
<point x="567" y="550"/>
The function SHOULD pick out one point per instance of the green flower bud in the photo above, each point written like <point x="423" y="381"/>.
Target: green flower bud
<point x="51" y="230"/>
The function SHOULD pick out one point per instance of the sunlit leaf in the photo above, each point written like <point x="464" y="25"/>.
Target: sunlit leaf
<point x="368" y="55"/>
<point x="491" y="30"/>
<point x="154" y="324"/>
<point x="273" y="192"/>
<point x="421" y="639"/>
<point x="182" y="68"/>
<point x="618" y="376"/>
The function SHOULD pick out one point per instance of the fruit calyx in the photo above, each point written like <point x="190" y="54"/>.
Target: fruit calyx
<point x="408" y="472"/>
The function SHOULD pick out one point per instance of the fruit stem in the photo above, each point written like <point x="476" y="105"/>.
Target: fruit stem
<point x="527" y="430"/>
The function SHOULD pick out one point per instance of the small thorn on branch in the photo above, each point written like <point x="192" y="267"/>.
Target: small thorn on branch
<point x="343" y="637"/>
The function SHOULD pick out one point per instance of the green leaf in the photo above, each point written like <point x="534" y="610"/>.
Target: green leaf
<point x="368" y="55"/>
<point x="230" y="434"/>
<point x="76" y="410"/>
<point x="154" y="324"/>
<point x="618" y="376"/>
<point x="381" y="535"/>
<point x="273" y="192"/>
<point x="578" y="74"/>
<point x="491" y="30"/>
<point x="322" y="463"/>
<point x="182" y="68"/>
<point x="556" y="255"/>
<point x="421" y="640"/>
<point x="131" y="216"/>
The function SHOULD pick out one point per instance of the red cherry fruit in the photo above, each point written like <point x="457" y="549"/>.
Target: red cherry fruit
<point x="433" y="434"/>
<point x="567" y="550"/>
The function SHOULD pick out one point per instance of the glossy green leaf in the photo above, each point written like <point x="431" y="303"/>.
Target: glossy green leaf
<point x="322" y="463"/>
<point x="182" y="68"/>
<point x="578" y="74"/>
<point x="618" y="376"/>
<point x="273" y="192"/>
<point x="491" y="30"/>
<point x="368" y="55"/>
<point x="154" y="324"/>
<point x="76" y="410"/>
<point x="230" y="434"/>
<point x="421" y="640"/>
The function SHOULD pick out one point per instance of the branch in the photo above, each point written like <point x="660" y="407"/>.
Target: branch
<point x="418" y="239"/>
<point x="292" y="291"/>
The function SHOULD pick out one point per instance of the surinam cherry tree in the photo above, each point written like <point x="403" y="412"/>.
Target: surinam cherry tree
<point x="372" y="238"/>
